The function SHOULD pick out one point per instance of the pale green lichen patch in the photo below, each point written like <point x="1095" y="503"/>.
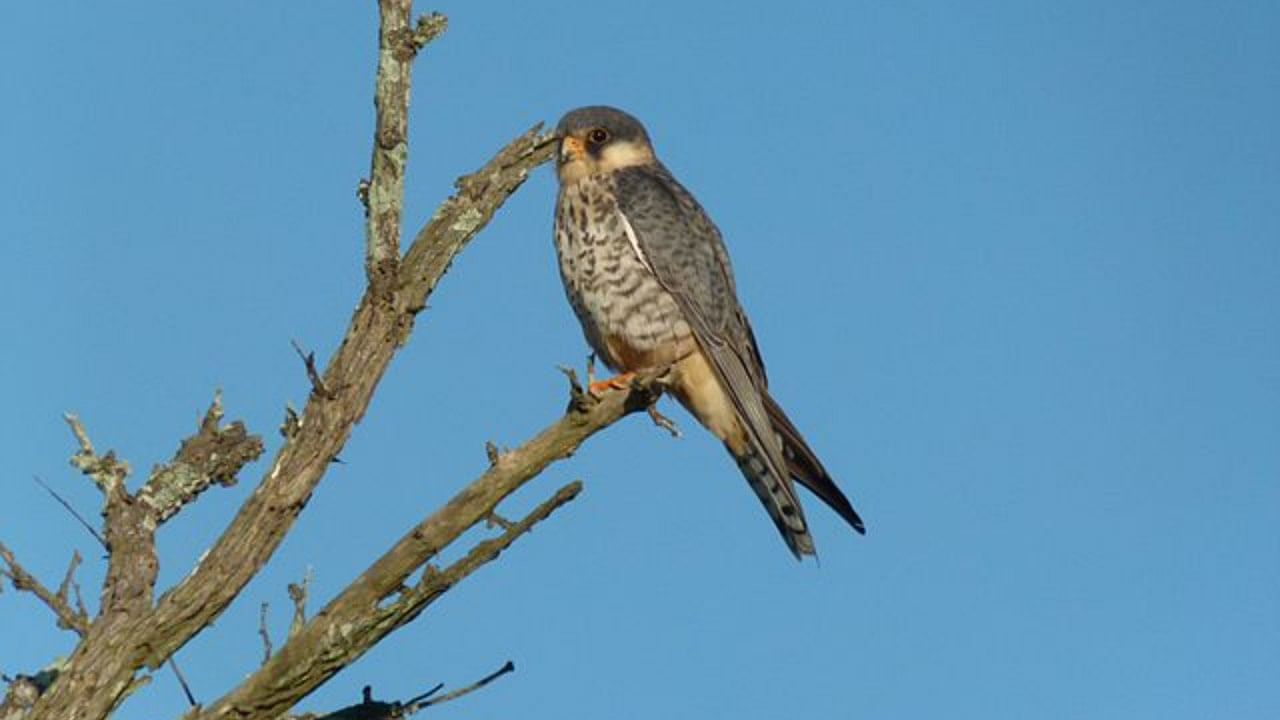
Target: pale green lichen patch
<point x="468" y="221"/>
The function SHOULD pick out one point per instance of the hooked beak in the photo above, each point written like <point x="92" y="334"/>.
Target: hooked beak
<point x="571" y="148"/>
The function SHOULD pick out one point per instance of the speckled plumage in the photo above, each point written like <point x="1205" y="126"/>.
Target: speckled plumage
<point x="614" y="295"/>
<point x="649" y="278"/>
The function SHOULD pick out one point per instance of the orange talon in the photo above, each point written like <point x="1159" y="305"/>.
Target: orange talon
<point x="617" y="382"/>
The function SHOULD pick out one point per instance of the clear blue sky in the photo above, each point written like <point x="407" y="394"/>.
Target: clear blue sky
<point x="1015" y="270"/>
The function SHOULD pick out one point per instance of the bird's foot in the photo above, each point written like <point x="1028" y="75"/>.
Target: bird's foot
<point x="617" y="382"/>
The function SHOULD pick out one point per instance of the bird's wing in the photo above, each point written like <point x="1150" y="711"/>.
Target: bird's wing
<point x="807" y="469"/>
<point x="682" y="247"/>
<point x="678" y="242"/>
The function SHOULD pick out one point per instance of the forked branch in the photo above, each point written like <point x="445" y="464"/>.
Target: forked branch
<point x="134" y="631"/>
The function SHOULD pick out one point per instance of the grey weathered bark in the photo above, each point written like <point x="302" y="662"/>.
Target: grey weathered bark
<point x="134" y="631"/>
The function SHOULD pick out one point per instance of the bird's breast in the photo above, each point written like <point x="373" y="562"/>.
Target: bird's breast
<point x="629" y="319"/>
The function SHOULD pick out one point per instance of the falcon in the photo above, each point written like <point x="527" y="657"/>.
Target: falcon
<point x="648" y="276"/>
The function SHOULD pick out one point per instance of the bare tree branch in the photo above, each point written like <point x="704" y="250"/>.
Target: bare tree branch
<point x="126" y="591"/>
<point x="214" y="455"/>
<point x="356" y="620"/>
<point x="133" y="631"/>
<point x="360" y="616"/>
<point x="103" y="669"/>
<point x="457" y="221"/>
<point x="106" y="471"/>
<point x="135" y="639"/>
<point x="398" y="44"/>
<point x="68" y="618"/>
<point x="375" y="333"/>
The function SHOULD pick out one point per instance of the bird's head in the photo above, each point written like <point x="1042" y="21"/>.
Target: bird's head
<point x="599" y="139"/>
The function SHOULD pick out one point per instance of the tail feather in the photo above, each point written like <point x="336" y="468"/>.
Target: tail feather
<point x="779" y="498"/>
<point x="805" y="467"/>
<point x="718" y="389"/>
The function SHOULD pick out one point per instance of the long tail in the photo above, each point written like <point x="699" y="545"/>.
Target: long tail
<point x="718" y="389"/>
<point x="805" y="467"/>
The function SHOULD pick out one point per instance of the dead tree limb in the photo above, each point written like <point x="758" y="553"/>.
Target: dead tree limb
<point x="133" y="631"/>
<point x="214" y="455"/>
<point x="379" y="601"/>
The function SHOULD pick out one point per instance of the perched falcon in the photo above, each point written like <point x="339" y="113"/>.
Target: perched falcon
<point x="649" y="278"/>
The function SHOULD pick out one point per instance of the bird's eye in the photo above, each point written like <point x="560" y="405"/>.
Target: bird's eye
<point x="598" y="136"/>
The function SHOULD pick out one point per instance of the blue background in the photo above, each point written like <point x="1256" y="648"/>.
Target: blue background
<point x="1014" y="267"/>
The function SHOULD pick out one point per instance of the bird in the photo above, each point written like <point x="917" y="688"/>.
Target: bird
<point x="648" y="276"/>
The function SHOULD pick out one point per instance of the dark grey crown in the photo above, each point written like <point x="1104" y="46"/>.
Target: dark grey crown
<point x="620" y="125"/>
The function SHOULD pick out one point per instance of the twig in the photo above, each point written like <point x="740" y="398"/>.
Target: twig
<point x="262" y="631"/>
<point x="416" y="700"/>
<point x="182" y="682"/>
<point x="309" y="361"/>
<point x="70" y="509"/>
<point x="496" y="520"/>
<point x="429" y="28"/>
<point x="77" y="429"/>
<point x="80" y="608"/>
<point x="579" y="399"/>
<point x="68" y="582"/>
<point x="291" y="424"/>
<point x="455" y="694"/>
<point x="362" y="194"/>
<point x="298" y="594"/>
<point x="106" y="471"/>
